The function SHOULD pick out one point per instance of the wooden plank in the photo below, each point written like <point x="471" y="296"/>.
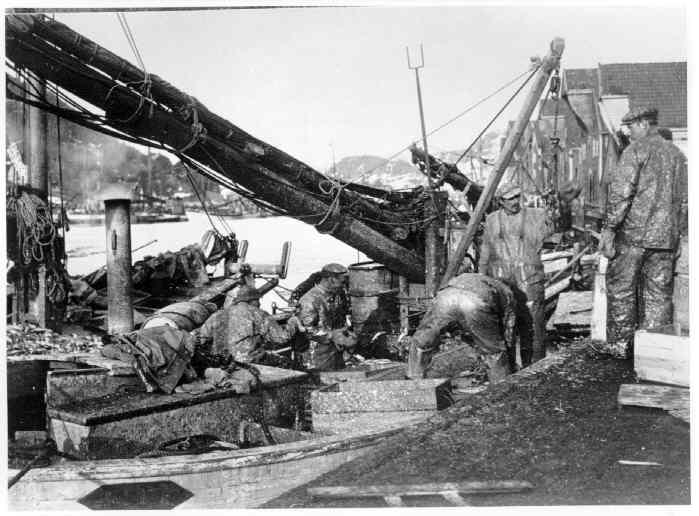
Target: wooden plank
<point x="77" y="385"/>
<point x="115" y="367"/>
<point x="350" y="422"/>
<point x="661" y="357"/>
<point x="428" y="489"/>
<point x="556" y="255"/>
<point x="556" y="288"/>
<point x="598" y="325"/>
<point x="653" y="396"/>
<point x="555" y="265"/>
<point x="572" y="309"/>
<point x="381" y="396"/>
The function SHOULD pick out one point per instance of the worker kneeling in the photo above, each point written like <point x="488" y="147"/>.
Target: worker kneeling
<point x="244" y="332"/>
<point x="481" y="305"/>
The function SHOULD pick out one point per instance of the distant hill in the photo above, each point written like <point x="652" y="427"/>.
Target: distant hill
<point x="400" y="174"/>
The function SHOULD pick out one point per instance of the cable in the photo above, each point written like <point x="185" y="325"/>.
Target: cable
<point x="451" y="120"/>
<point x="509" y="101"/>
<point x="60" y="177"/>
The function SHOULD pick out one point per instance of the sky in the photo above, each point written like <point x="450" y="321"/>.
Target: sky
<point x="321" y="81"/>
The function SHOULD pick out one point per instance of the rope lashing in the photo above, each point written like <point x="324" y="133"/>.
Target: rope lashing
<point x="335" y="187"/>
<point x="35" y="229"/>
<point x="198" y="130"/>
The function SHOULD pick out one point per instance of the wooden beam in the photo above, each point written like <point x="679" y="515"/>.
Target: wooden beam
<point x="548" y="65"/>
<point x="598" y="324"/>
<point x="427" y="489"/>
<point x="653" y="396"/>
<point x="661" y="357"/>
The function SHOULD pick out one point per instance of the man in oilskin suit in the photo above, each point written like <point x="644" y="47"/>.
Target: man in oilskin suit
<point x="484" y="307"/>
<point x="640" y="235"/>
<point x="323" y="316"/>
<point x="511" y="252"/>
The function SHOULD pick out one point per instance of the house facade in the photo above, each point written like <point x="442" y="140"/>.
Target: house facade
<point x="586" y="119"/>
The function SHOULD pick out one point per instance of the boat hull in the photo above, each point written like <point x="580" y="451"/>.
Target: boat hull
<point x="235" y="479"/>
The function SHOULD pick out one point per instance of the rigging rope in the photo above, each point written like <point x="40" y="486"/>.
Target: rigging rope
<point x="60" y="176"/>
<point x="448" y="122"/>
<point x="509" y="101"/>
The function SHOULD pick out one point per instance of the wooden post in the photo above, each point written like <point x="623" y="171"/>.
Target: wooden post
<point x="37" y="159"/>
<point x="403" y="294"/>
<point x="431" y="257"/>
<point x="117" y="221"/>
<point x="548" y="65"/>
<point x="598" y="326"/>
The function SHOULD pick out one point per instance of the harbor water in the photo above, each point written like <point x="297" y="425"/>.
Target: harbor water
<point x="310" y="250"/>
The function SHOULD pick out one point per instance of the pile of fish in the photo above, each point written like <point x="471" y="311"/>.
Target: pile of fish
<point x="28" y="339"/>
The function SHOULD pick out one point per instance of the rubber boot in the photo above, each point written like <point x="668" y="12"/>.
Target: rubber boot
<point x="498" y="366"/>
<point x="418" y="360"/>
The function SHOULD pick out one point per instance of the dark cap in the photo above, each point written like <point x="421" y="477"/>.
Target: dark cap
<point x="333" y="269"/>
<point x="509" y="191"/>
<point x="640" y="113"/>
<point x="246" y="293"/>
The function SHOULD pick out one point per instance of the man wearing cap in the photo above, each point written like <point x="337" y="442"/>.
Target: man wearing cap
<point x="484" y="307"/>
<point x="243" y="331"/>
<point x="641" y="230"/>
<point x="323" y="315"/>
<point x="511" y="252"/>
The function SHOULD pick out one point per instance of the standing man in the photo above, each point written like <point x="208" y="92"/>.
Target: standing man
<point x="511" y="252"/>
<point x="641" y="231"/>
<point x="323" y="315"/>
<point x="480" y="305"/>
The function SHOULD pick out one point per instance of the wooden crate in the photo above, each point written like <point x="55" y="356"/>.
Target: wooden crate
<point x="662" y="357"/>
<point x="123" y="425"/>
<point x="372" y="405"/>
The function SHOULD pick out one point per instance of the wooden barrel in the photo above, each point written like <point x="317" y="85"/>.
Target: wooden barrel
<point x="373" y="293"/>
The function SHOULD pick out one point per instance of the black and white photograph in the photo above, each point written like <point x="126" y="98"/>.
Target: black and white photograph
<point x="374" y="255"/>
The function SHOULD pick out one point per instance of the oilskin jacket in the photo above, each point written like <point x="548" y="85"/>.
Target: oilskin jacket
<point x="512" y="244"/>
<point x="320" y="312"/>
<point x="646" y="193"/>
<point x="483" y="306"/>
<point x="244" y="332"/>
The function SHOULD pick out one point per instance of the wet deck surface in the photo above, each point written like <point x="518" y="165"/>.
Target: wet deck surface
<point x="561" y="430"/>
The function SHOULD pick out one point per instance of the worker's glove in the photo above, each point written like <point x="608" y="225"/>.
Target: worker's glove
<point x="294" y="325"/>
<point x="569" y="191"/>
<point x="344" y="339"/>
<point x="606" y="243"/>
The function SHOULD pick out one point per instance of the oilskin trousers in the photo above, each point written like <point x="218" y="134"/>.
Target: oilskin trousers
<point x="639" y="294"/>
<point x="451" y="305"/>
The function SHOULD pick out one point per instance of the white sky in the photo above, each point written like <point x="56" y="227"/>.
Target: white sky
<point x="306" y="79"/>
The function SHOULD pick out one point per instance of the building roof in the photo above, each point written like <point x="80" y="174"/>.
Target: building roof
<point x="659" y="85"/>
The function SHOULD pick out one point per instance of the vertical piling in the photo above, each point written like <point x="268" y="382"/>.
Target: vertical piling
<point x="117" y="219"/>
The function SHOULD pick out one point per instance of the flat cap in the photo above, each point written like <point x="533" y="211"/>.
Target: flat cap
<point x="508" y="191"/>
<point x="333" y="268"/>
<point x="640" y="113"/>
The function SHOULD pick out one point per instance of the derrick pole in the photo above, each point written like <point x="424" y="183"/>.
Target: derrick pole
<point x="550" y="63"/>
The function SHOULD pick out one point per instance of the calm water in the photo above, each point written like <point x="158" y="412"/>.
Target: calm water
<point x="309" y="249"/>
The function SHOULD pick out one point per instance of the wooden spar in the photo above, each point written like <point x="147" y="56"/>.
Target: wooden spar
<point x="548" y="65"/>
<point x="182" y="106"/>
<point x="161" y="125"/>
<point x="452" y="175"/>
